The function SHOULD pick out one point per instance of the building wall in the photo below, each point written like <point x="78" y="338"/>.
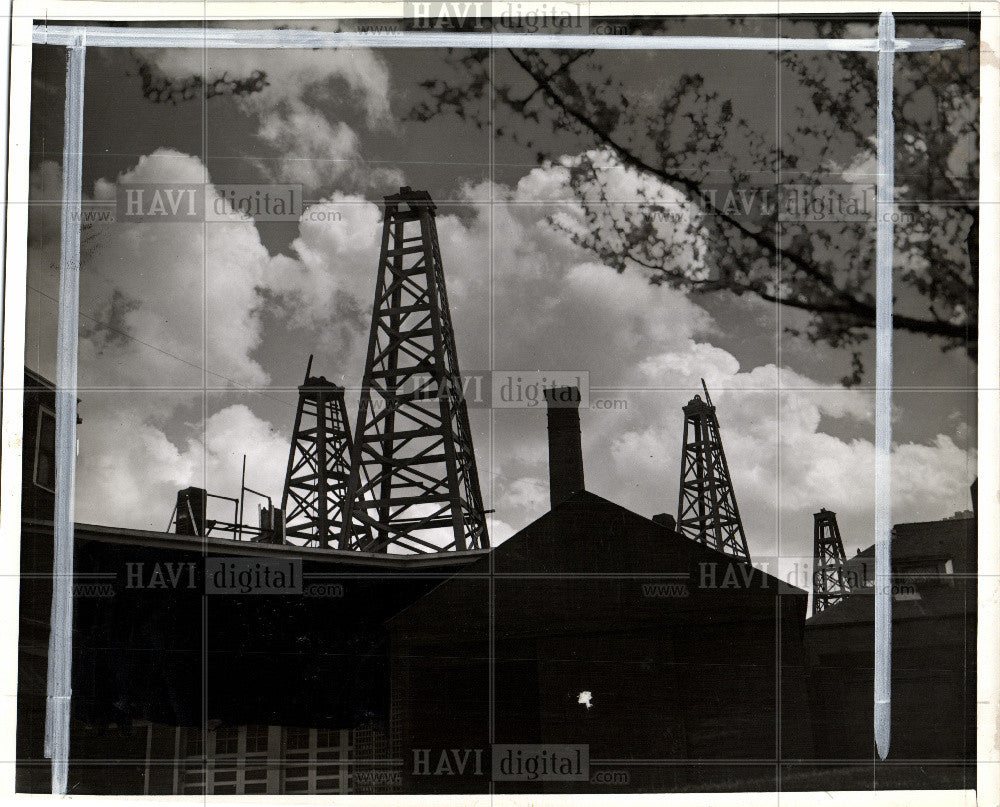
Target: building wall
<point x="933" y="689"/>
<point x="246" y="760"/>
<point x="154" y="759"/>
<point x="38" y="448"/>
<point x="161" y="653"/>
<point x="673" y="695"/>
<point x="933" y="655"/>
<point x="571" y="643"/>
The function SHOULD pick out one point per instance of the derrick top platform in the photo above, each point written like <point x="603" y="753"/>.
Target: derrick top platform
<point x="415" y="200"/>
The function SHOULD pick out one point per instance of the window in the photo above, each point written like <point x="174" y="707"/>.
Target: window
<point x="195" y="743"/>
<point x="254" y="762"/>
<point x="235" y="761"/>
<point x="316" y="761"/>
<point x="928" y="573"/>
<point x="256" y="739"/>
<point x="227" y="740"/>
<point x="297" y="738"/>
<point x="45" y="450"/>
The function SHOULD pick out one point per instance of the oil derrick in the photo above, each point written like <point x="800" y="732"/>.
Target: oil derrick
<point x="706" y="509"/>
<point x="414" y="481"/>
<point x="318" y="463"/>
<point x="830" y="585"/>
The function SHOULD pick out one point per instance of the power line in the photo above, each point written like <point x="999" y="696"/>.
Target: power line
<point x="174" y="356"/>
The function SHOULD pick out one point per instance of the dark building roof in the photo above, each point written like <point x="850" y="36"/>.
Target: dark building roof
<point x="215" y="545"/>
<point x="675" y="642"/>
<point x="949" y="538"/>
<point x="587" y="536"/>
<point x="922" y="544"/>
<point x="934" y="626"/>
<point x="915" y="546"/>
<point x="34" y="380"/>
<point x="859" y="607"/>
<point x="144" y="648"/>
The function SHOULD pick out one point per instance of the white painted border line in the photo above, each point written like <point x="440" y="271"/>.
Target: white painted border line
<point x="884" y="233"/>
<point x="202" y="37"/>
<point x="12" y="426"/>
<point x="60" y="661"/>
<point x="74" y="37"/>
<point x="987" y="667"/>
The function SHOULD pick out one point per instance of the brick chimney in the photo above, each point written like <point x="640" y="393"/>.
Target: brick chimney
<point x="565" y="449"/>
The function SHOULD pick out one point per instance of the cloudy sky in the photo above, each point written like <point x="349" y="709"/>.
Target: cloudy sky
<point x="194" y="338"/>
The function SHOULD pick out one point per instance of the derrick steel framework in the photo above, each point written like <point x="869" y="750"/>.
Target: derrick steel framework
<point x="318" y="464"/>
<point x="830" y="584"/>
<point x="706" y="507"/>
<point x="413" y="481"/>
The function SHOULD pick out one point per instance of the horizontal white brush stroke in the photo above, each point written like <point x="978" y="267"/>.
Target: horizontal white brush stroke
<point x="200" y="37"/>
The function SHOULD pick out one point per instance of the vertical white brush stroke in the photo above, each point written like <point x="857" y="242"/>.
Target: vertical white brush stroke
<point x="883" y="388"/>
<point x="60" y="659"/>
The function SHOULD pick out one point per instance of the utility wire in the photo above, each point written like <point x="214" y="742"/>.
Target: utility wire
<point x="174" y="356"/>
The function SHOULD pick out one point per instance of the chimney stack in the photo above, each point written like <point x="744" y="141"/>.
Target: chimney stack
<point x="565" y="448"/>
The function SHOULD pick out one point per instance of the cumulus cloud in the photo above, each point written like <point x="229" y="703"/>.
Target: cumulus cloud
<point x="785" y="465"/>
<point x="161" y="301"/>
<point x="335" y="257"/>
<point x="522" y="296"/>
<point x="168" y="307"/>
<point x="300" y="107"/>
<point x="178" y="296"/>
<point x="128" y="463"/>
<point x="538" y="303"/>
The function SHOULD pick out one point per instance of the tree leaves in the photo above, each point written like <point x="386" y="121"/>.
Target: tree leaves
<point x="690" y="139"/>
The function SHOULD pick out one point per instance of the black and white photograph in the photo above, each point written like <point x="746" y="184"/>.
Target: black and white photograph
<point x="490" y="399"/>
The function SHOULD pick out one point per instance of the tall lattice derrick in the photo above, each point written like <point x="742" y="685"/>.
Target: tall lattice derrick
<point x="318" y="464"/>
<point x="830" y="584"/>
<point x="413" y="481"/>
<point x="706" y="508"/>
